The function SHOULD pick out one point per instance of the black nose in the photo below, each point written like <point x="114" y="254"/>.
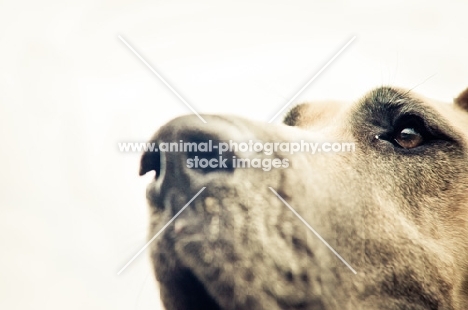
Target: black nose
<point x="191" y="153"/>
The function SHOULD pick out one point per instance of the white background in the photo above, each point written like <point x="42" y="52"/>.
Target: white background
<point x="72" y="208"/>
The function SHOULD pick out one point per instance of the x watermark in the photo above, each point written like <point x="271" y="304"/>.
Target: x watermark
<point x="160" y="231"/>
<point x="276" y="115"/>
<point x="161" y="78"/>
<point x="203" y="120"/>
<point x="313" y="78"/>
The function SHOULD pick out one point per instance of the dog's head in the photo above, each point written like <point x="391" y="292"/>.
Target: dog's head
<point x="378" y="225"/>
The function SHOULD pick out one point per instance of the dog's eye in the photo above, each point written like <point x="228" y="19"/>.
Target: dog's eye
<point x="409" y="138"/>
<point x="410" y="132"/>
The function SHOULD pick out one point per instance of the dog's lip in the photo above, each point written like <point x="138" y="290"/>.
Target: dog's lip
<point x="193" y="283"/>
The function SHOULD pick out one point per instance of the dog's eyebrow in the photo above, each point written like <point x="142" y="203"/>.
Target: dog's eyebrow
<point x="390" y="100"/>
<point x="386" y="103"/>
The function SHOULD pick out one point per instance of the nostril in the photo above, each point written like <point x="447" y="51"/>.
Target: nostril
<point x="189" y="155"/>
<point x="151" y="160"/>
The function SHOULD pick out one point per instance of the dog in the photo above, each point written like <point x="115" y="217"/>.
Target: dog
<point x="383" y="226"/>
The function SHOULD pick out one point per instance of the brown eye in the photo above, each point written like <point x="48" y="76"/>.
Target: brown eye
<point x="409" y="138"/>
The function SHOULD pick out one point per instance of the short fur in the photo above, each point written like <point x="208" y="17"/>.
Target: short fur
<point x="397" y="216"/>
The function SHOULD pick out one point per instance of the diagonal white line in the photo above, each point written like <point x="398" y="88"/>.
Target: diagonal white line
<point x="161" y="78"/>
<point x="160" y="231"/>
<point x="313" y="230"/>
<point x="313" y="78"/>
